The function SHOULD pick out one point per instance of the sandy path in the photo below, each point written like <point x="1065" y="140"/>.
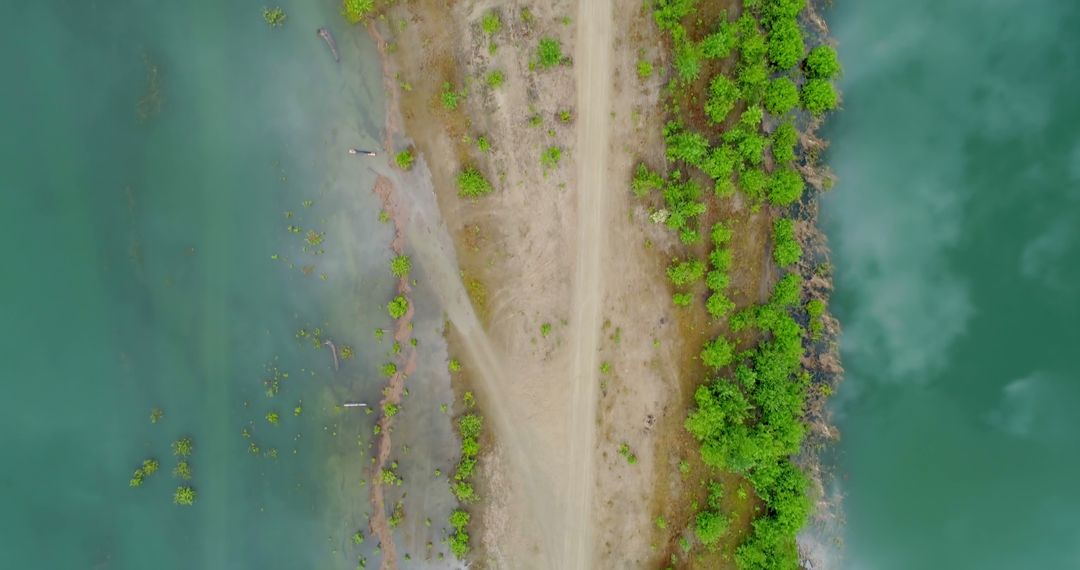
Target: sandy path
<point x="593" y="62"/>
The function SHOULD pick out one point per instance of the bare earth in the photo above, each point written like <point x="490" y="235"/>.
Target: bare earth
<point x="567" y="246"/>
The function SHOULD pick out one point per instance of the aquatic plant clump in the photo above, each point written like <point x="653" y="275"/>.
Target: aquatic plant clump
<point x="356" y="10"/>
<point x="549" y="53"/>
<point x="472" y="184"/>
<point x="397" y="307"/>
<point x="275" y="17"/>
<point x="183" y="447"/>
<point x="400" y="266"/>
<point x="185" y="496"/>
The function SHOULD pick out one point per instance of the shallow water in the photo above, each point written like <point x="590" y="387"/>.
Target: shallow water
<point x="153" y="151"/>
<point x="954" y="236"/>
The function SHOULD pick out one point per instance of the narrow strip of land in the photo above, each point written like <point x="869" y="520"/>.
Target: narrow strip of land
<point x="592" y="60"/>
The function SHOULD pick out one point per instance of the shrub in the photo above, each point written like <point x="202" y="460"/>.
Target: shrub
<point x="483" y="144"/>
<point x="721" y="162"/>
<point x="472" y="184"/>
<point x="721" y="234"/>
<point x="718" y="305"/>
<point x="687" y="60"/>
<point x="786" y="249"/>
<point x="754" y="181"/>
<point x="356" y="10"/>
<point x="644" y="69"/>
<point x="185" y="496"/>
<point x="404" y="159"/>
<point x="645" y="180"/>
<point x="781" y="96"/>
<point x="753" y="80"/>
<point x="549" y="53"/>
<point x="784" y="139"/>
<point x="717" y="353"/>
<point x="720" y="259"/>
<point x="685" y="272"/>
<point x="545" y="330"/>
<point x="390" y="410"/>
<point x="752" y="46"/>
<point x="274" y="16"/>
<point x="819" y="96"/>
<point x="491" y="23"/>
<point x="183" y="447"/>
<point x="397" y="307"/>
<point x="272" y="418"/>
<point x="669" y="13"/>
<point x="550" y="157"/>
<point x="388" y="369"/>
<point x="720" y="43"/>
<point x="682" y="299"/>
<point x="815" y="308"/>
<point x="495" y="79"/>
<point x="710" y="526"/>
<point x="822" y="63"/>
<point x="400" y="265"/>
<point x="785" y="186"/>
<point x="787" y="290"/>
<point x="775" y="11"/>
<point x="723" y="94"/>
<point x="786" y="48"/>
<point x="470" y="426"/>
<point x="450" y="98"/>
<point x="717" y="280"/>
<point x="686" y="146"/>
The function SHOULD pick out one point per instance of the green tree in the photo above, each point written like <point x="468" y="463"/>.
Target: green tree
<point x="400" y="265"/>
<point x="548" y="53"/>
<point x="720" y="44"/>
<point x="356" y="10"/>
<point x="781" y="96"/>
<point x="710" y="526"/>
<point x="784" y="139"/>
<point x="645" y="181"/>
<point x="785" y="186"/>
<point x="687" y="59"/>
<point x="723" y="94"/>
<point x="472" y="184"/>
<point x="786" y="249"/>
<point x="689" y="147"/>
<point x="819" y="96"/>
<point x="718" y="305"/>
<point x="754" y="181"/>
<point x="717" y="353"/>
<point x="822" y="63"/>
<point x="397" y="307"/>
<point x="786" y="47"/>
<point x="684" y="273"/>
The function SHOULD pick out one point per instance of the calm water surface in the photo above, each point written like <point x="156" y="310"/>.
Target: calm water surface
<point x="152" y="154"/>
<point x="955" y="230"/>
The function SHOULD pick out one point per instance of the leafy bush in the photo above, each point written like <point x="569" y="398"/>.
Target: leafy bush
<point x="720" y="234"/>
<point x="822" y="63"/>
<point x="669" y="13"/>
<point x="682" y="299"/>
<point x="274" y="16"/>
<point x="472" y="184"/>
<point x="754" y="181"/>
<point x="723" y="94"/>
<point x="356" y="10"/>
<point x="787" y="290"/>
<point x="450" y="97"/>
<point x="182" y="471"/>
<point x="549" y="53"/>
<point x="644" y="69"/>
<point x="388" y="369"/>
<point x="390" y="410"/>
<point x="786" y="249"/>
<point x="684" y="145"/>
<point x="272" y="418"/>
<point x="784" y="139"/>
<point x="710" y="526"/>
<point x="786" y="48"/>
<point x="550" y="157"/>
<point x="491" y="24"/>
<point x="720" y="43"/>
<point x="185" y="496"/>
<point x="685" y="272"/>
<point x="753" y="79"/>
<point x="400" y="265"/>
<point x="717" y="280"/>
<point x="718" y="305"/>
<point x="819" y="96"/>
<point x="785" y="186"/>
<point x="495" y="79"/>
<point x="775" y="11"/>
<point x="405" y="159"/>
<point x="397" y="307"/>
<point x="720" y="163"/>
<point x="781" y="96"/>
<point x="717" y="353"/>
<point x="645" y="181"/>
<point x="470" y="425"/>
<point x="183" y="447"/>
<point x="687" y="59"/>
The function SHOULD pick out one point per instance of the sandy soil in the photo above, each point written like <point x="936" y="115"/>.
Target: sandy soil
<point x="565" y="246"/>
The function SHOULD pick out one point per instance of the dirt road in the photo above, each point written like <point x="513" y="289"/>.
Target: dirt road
<point x="593" y="62"/>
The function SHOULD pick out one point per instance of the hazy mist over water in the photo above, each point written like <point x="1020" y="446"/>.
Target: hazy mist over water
<point x="955" y="243"/>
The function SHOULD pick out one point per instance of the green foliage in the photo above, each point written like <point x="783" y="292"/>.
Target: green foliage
<point x="778" y="11"/>
<point x="720" y="234"/>
<point x="718" y="305"/>
<point x="786" y="292"/>
<point x="815" y="308"/>
<point x="644" y="69"/>
<point x="400" y="266"/>
<point x="495" y="79"/>
<point x="684" y="205"/>
<point x="781" y="96"/>
<point x="388" y="369"/>
<point x="754" y="181"/>
<point x="459" y="539"/>
<point x="149" y="467"/>
<point x="389" y="477"/>
<point x="682" y="299"/>
<point x="717" y="353"/>
<point x="687" y="59"/>
<point x="684" y="273"/>
<point x="784" y="139"/>
<point x="491" y="24"/>
<point x="472" y="184"/>
<point x="550" y="157"/>
<point x="786" y="249"/>
<point x="545" y="330"/>
<point x="819" y="96"/>
<point x="624" y="450"/>
<point x="785" y="186"/>
<point x="720" y="43"/>
<point x="669" y="13"/>
<point x="356" y="10"/>
<point x="185" y="496"/>
<point x="156" y="415"/>
<point x="274" y="16"/>
<point x="752" y="46"/>
<point x="272" y="418"/>
<point x="454" y="365"/>
<point x="720" y="165"/>
<point x="687" y="146"/>
<point x="183" y="447"/>
<point x="723" y="94"/>
<point x="405" y="159"/>
<point x="549" y="53"/>
<point x="786" y="47"/>
<point x="450" y="97"/>
<point x="710" y="526"/>
<point x="470" y="425"/>
<point x="645" y="181"/>
<point x="397" y="307"/>
<point x="358" y="537"/>
<point x="822" y="63"/>
<point x="390" y="410"/>
<point x="483" y="144"/>
<point x="182" y="471"/>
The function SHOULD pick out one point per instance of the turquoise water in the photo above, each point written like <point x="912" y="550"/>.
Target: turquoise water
<point x="954" y="230"/>
<point x="152" y="151"/>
